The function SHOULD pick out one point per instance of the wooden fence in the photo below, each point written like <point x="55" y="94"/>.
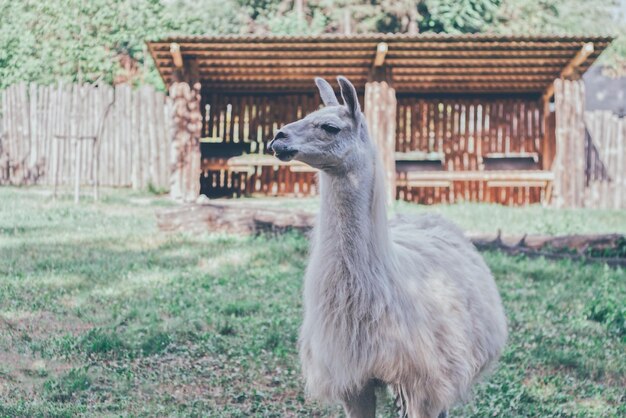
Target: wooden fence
<point x="590" y="158"/>
<point x="569" y="159"/>
<point x="605" y="152"/>
<point x="51" y="134"/>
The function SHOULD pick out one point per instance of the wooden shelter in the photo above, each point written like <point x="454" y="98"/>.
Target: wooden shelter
<point x="463" y="117"/>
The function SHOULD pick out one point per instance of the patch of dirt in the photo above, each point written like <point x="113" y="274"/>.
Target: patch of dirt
<point x="23" y="371"/>
<point x="22" y="374"/>
<point x="42" y="324"/>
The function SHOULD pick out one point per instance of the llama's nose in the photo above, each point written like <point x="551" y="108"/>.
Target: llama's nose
<point x="279" y="135"/>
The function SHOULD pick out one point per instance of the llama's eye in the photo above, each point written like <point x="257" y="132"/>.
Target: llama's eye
<point x="331" y="129"/>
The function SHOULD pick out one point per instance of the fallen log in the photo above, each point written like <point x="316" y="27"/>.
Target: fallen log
<point x="233" y="218"/>
<point x="609" y="249"/>
<point x="247" y="218"/>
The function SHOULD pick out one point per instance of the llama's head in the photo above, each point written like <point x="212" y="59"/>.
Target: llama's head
<point x="333" y="139"/>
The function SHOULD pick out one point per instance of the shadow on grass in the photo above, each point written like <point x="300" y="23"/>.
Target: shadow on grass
<point x="101" y="260"/>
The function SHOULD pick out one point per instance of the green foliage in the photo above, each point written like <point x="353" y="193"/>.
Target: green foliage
<point x="204" y="17"/>
<point x="461" y="16"/>
<point x="74" y="40"/>
<point x="567" y="17"/>
<point x="290" y="23"/>
<point x="155" y="343"/>
<point x="606" y="307"/>
<point x="556" y="16"/>
<point x="98" y="341"/>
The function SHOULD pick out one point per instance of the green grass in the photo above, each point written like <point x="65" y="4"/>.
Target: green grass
<point x="489" y="218"/>
<point x="102" y="315"/>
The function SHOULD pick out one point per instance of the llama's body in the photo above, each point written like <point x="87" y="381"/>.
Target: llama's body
<point x="410" y="303"/>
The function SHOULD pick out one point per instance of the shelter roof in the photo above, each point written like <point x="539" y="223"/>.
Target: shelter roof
<point x="426" y="63"/>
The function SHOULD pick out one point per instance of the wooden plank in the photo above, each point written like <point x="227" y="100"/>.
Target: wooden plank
<point x="521" y="175"/>
<point x="429" y="49"/>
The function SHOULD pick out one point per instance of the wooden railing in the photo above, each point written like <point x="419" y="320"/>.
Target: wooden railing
<point x="253" y="119"/>
<point x="465" y="130"/>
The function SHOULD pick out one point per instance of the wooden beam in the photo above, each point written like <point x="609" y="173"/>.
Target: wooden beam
<point x="495" y="175"/>
<point x="206" y="68"/>
<point x="206" y="59"/>
<point x="390" y="38"/>
<point x="305" y="87"/>
<point x="379" y="55"/>
<point x="192" y="47"/>
<point x="585" y="51"/>
<point x="176" y="55"/>
<point x="579" y="58"/>
<point x="547" y="145"/>
<point x="381" y="52"/>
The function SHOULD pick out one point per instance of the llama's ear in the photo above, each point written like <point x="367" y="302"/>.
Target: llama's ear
<point x="350" y="98"/>
<point x="326" y="92"/>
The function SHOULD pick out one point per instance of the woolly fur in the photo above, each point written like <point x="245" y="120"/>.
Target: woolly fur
<point x="408" y="303"/>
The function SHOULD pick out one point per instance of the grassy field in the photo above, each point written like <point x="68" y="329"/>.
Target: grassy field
<point x="487" y="218"/>
<point x="102" y="315"/>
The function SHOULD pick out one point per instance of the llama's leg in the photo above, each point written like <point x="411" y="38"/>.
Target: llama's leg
<point x="443" y="414"/>
<point x="363" y="404"/>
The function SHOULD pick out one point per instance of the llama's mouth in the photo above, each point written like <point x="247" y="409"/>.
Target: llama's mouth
<point x="285" y="155"/>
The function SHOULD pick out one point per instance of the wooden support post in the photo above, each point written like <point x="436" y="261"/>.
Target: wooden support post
<point x="187" y="128"/>
<point x="547" y="146"/>
<point x="580" y="57"/>
<point x="74" y="142"/>
<point x="185" y="174"/>
<point x="185" y="70"/>
<point x="569" y="159"/>
<point x="380" y="113"/>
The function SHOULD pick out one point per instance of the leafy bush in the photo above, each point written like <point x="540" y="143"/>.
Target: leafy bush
<point x="606" y="308"/>
<point x="608" y="311"/>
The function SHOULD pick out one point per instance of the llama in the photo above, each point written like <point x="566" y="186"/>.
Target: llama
<point x="408" y="304"/>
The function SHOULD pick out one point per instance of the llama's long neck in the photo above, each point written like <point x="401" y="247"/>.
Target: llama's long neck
<point x="351" y="257"/>
<point x="352" y="227"/>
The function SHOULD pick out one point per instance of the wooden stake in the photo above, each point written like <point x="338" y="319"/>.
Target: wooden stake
<point x="381" y="53"/>
<point x="176" y="55"/>
<point x="76" y="171"/>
